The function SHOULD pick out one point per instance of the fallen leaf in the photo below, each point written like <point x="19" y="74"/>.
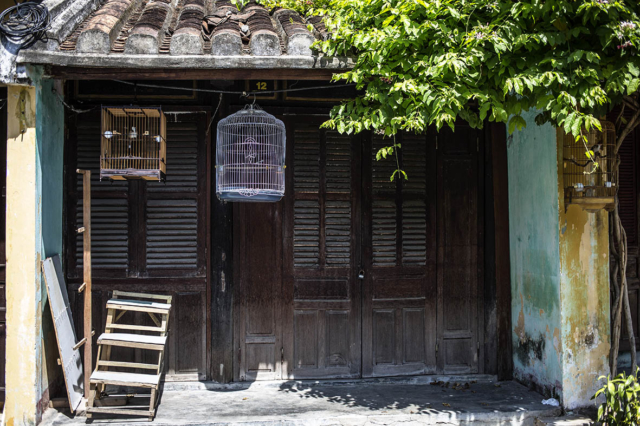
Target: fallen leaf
<point x="244" y="399"/>
<point x="446" y="404"/>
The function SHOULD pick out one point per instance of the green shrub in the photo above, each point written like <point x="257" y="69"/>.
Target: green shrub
<point x="621" y="405"/>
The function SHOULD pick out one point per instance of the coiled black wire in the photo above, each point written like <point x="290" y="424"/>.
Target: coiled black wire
<point x="25" y="23"/>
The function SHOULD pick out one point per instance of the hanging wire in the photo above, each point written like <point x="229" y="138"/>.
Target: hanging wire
<point x="71" y="108"/>
<point x="190" y="89"/>
<point x="25" y="23"/>
<point x="232" y="92"/>
<point x="213" y="117"/>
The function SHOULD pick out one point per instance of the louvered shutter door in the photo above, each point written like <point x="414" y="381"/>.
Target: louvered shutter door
<point x="175" y="229"/>
<point x="109" y="208"/>
<point x="321" y="197"/>
<point x="399" y="255"/>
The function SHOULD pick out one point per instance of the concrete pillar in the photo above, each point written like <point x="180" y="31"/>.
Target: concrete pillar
<point x="559" y="274"/>
<point x="34" y="232"/>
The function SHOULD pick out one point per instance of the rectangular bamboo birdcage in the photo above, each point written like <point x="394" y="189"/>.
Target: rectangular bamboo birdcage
<point x="134" y="143"/>
<point x="591" y="186"/>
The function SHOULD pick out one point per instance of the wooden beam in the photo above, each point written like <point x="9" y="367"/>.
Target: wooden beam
<point x="86" y="262"/>
<point x="78" y="73"/>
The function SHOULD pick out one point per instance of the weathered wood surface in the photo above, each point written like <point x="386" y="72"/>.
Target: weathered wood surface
<point x="147" y="237"/>
<point x="65" y="331"/>
<point x="86" y="275"/>
<point x="419" y="244"/>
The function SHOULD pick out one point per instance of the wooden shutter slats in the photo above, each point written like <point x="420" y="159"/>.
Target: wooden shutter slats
<point x="172" y="211"/>
<point x="414" y="158"/>
<point x="109" y="234"/>
<point x="88" y="158"/>
<point x="414" y="232"/>
<point x="306" y="160"/>
<point x="384" y="237"/>
<point x="338" y="233"/>
<point x="182" y="160"/>
<point x="338" y="163"/>
<point x="306" y="233"/>
<point x="383" y="169"/>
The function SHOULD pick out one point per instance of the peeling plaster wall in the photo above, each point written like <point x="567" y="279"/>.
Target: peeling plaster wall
<point x="34" y="231"/>
<point x="584" y="266"/>
<point x="559" y="274"/>
<point x="535" y="264"/>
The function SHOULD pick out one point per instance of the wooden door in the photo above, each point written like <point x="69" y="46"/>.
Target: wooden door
<point x="321" y="234"/>
<point x="399" y="316"/>
<point x="302" y="310"/>
<point x="459" y="250"/>
<point x="258" y="263"/>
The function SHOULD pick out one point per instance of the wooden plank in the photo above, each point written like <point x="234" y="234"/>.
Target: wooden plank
<point x="132" y="338"/>
<point x="126" y="379"/>
<point x="132" y="345"/>
<point x="136" y="308"/>
<point x="124" y="412"/>
<point x="86" y="261"/>
<point x="117" y="293"/>
<point x="134" y="327"/>
<point x="127" y="364"/>
<point x="65" y="330"/>
<point x="140" y="304"/>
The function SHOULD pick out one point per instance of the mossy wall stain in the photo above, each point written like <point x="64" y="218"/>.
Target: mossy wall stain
<point x="535" y="265"/>
<point x="584" y="263"/>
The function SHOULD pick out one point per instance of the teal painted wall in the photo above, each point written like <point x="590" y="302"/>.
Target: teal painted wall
<point x="49" y="202"/>
<point x="535" y="257"/>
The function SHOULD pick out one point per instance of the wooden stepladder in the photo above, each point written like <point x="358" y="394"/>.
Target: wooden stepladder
<point x="121" y="334"/>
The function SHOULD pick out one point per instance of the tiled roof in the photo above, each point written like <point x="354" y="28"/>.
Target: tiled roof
<point x="193" y="27"/>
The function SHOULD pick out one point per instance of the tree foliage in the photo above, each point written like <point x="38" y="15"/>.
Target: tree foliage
<point x="422" y="62"/>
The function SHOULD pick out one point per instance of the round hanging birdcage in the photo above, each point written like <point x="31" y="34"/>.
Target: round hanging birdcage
<point x="250" y="156"/>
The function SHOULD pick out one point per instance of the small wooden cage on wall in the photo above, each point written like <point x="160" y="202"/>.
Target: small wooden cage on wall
<point x="585" y="184"/>
<point x="134" y="144"/>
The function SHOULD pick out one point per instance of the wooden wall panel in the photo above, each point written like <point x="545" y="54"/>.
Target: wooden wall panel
<point x="458" y="250"/>
<point x="257" y="312"/>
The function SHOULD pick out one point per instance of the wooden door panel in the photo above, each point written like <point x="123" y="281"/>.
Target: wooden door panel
<point x="458" y="248"/>
<point x="258" y="230"/>
<point x="321" y="302"/>
<point x="399" y="317"/>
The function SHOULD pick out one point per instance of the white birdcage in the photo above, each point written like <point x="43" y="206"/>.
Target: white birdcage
<point x="250" y="157"/>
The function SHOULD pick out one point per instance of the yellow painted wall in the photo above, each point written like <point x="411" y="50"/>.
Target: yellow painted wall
<point x="34" y="231"/>
<point x="22" y="264"/>
<point x="584" y="295"/>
